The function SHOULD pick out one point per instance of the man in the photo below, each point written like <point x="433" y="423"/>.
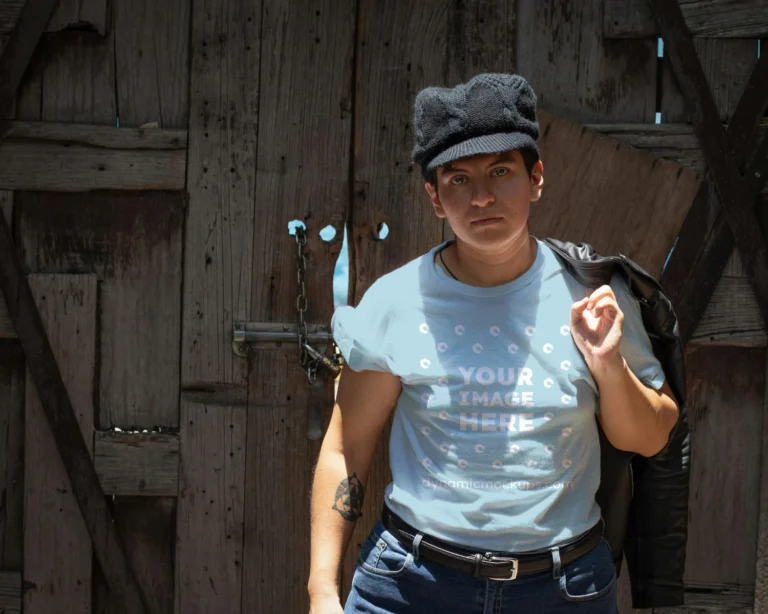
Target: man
<point x="496" y="362"/>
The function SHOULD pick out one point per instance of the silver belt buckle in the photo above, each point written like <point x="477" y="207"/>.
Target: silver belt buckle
<point x="513" y="575"/>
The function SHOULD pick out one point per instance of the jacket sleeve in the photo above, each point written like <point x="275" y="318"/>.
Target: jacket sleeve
<point x="657" y="530"/>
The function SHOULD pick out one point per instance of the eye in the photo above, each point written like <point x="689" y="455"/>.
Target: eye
<point x="453" y="181"/>
<point x="506" y="171"/>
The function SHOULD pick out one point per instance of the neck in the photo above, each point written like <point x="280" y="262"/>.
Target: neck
<point x="477" y="268"/>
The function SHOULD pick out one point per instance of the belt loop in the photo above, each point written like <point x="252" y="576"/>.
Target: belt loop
<point x="555" y="562"/>
<point x="415" y="545"/>
<point x="477" y="558"/>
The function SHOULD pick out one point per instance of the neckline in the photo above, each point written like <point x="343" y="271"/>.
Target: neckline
<point x="515" y="285"/>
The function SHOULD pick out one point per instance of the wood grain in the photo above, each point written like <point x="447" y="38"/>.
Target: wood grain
<point x="92" y="14"/>
<point x="575" y="72"/>
<point x="224" y="113"/>
<point x="622" y="194"/>
<point x="301" y="174"/>
<point x="209" y="542"/>
<point x="57" y="547"/>
<point x="137" y="464"/>
<point x="726" y="386"/>
<point x="133" y="243"/>
<point x="10" y="592"/>
<point x="152" y="62"/>
<point x="727" y="65"/>
<point x="58" y="167"/>
<point x="12" y="376"/>
<point x="147" y="527"/>
<point x="710" y="18"/>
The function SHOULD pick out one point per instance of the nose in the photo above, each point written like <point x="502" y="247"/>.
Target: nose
<point x="482" y="196"/>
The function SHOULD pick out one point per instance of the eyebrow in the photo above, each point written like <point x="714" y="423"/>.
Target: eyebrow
<point x="504" y="157"/>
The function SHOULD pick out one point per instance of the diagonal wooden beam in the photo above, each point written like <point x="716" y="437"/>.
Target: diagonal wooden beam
<point x="41" y="363"/>
<point x="704" y="243"/>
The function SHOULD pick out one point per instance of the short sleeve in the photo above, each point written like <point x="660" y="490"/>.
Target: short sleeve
<point x="635" y="345"/>
<point x="361" y="333"/>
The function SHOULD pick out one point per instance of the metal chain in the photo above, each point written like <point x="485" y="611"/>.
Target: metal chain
<point x="301" y="306"/>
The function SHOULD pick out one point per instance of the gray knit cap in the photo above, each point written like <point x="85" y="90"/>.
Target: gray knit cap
<point x="491" y="113"/>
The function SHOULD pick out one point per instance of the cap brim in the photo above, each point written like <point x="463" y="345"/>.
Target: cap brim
<point x="485" y="144"/>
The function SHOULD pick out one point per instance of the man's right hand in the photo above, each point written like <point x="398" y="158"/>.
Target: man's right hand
<point x="325" y="604"/>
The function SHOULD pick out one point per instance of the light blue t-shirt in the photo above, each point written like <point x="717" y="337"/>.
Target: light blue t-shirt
<point x="494" y="443"/>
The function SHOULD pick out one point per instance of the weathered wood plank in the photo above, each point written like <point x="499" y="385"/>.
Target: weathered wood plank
<point x="12" y="374"/>
<point x="147" y="526"/>
<point x="575" y="72"/>
<point x="91" y="14"/>
<point x="209" y="543"/>
<point x="760" y="604"/>
<point x="224" y="111"/>
<point x="78" y="79"/>
<point x="637" y="189"/>
<point x="57" y="547"/>
<point x="18" y="48"/>
<point x="74" y="168"/>
<point x="727" y="65"/>
<point x="133" y="243"/>
<point x="711" y="18"/>
<point x="138" y="464"/>
<point x="152" y="62"/>
<point x="732" y="316"/>
<point x="10" y="592"/>
<point x="736" y="194"/>
<point x="676" y="142"/>
<point x="726" y="385"/>
<point x="97" y="137"/>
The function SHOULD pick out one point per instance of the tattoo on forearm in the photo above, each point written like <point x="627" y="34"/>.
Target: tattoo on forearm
<point x="349" y="498"/>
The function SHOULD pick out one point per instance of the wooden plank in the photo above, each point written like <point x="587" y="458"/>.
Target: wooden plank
<point x="727" y="65"/>
<point x="12" y="373"/>
<point x="90" y="14"/>
<point x="133" y="243"/>
<point x="726" y="386"/>
<point x="57" y="548"/>
<point x="384" y="177"/>
<point x="69" y="13"/>
<point x="209" y="538"/>
<point x="63" y="168"/>
<point x="736" y="195"/>
<point x="141" y="464"/>
<point x="10" y="592"/>
<point x="97" y="137"/>
<point x="575" y="72"/>
<point x="636" y="188"/>
<point x="761" y="555"/>
<point x="78" y="79"/>
<point x="224" y="111"/>
<point x="152" y="62"/>
<point x="65" y="157"/>
<point x="732" y="316"/>
<point x="19" y="47"/>
<point x="147" y="526"/>
<point x="710" y="18"/>
<point x="676" y="142"/>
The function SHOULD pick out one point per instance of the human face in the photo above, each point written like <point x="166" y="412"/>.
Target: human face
<point x="486" y="199"/>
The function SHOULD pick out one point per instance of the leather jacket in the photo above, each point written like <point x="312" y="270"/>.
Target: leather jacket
<point x="643" y="500"/>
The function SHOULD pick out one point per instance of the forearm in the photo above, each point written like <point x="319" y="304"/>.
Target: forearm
<point x="337" y="497"/>
<point x="634" y="417"/>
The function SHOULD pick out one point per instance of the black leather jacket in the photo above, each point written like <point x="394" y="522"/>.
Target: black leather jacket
<point x="644" y="500"/>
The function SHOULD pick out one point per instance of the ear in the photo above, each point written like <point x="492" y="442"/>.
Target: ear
<point x="537" y="180"/>
<point x="435" y="198"/>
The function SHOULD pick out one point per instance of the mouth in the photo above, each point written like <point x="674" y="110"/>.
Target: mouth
<point x="486" y="220"/>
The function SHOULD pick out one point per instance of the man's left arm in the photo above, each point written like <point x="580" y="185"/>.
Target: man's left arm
<point x="635" y="417"/>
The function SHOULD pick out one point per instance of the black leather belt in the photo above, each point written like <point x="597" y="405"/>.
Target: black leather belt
<point x="486" y="564"/>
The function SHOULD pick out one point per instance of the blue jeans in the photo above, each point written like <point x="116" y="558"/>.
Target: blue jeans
<point x="389" y="580"/>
